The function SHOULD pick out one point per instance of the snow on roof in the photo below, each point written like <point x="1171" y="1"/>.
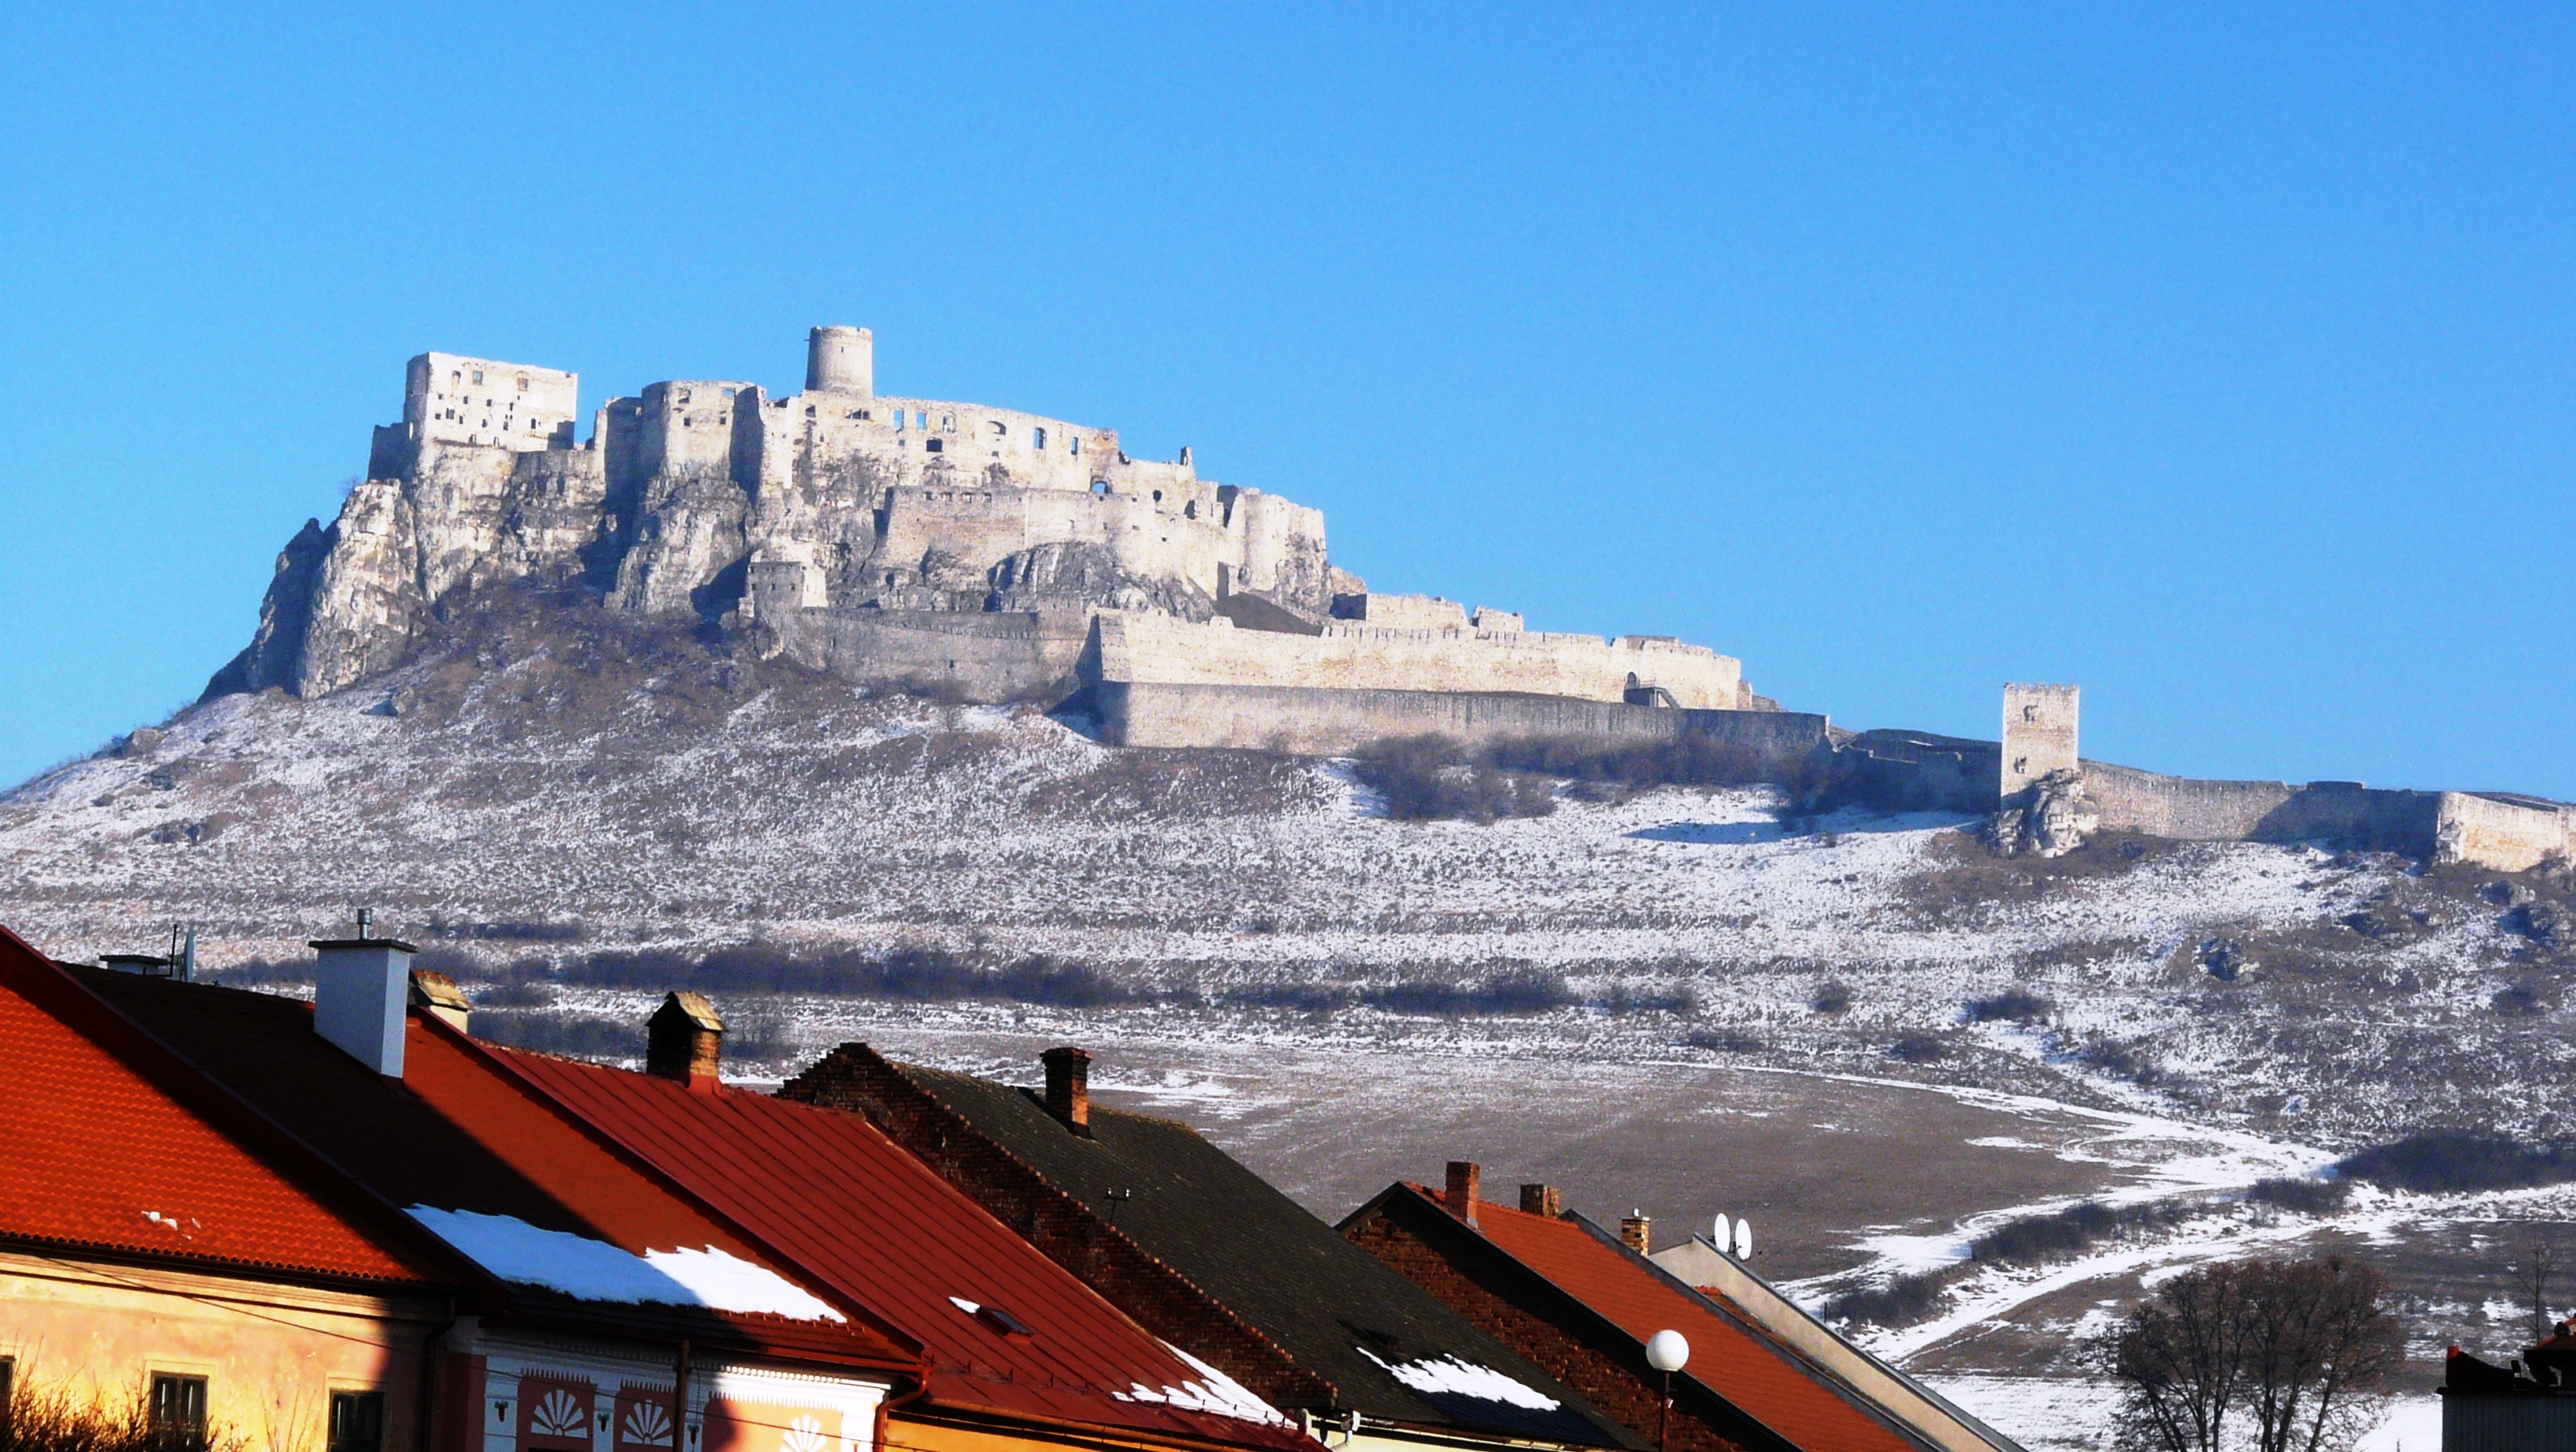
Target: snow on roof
<point x="595" y="1270"/>
<point x="1453" y="1375"/>
<point x="1213" y="1392"/>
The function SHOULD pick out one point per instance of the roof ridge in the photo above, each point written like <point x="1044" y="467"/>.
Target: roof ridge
<point x="1094" y="1223"/>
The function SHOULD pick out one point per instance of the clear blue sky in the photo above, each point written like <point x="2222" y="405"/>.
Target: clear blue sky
<point x="2222" y="364"/>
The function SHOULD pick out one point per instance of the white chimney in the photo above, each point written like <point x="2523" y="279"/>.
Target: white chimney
<point x="361" y="987"/>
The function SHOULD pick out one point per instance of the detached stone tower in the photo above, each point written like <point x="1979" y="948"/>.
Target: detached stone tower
<point x="2039" y="737"/>
<point x="841" y="360"/>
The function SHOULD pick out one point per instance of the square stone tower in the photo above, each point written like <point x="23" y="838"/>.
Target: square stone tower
<point x="2039" y="735"/>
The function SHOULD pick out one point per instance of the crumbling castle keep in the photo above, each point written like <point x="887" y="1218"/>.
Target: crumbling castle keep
<point x="1002" y="555"/>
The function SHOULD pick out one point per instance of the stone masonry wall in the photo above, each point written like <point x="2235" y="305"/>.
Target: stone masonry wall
<point x="2039" y="735"/>
<point x="1311" y="721"/>
<point x="1346" y="656"/>
<point x="2511" y="834"/>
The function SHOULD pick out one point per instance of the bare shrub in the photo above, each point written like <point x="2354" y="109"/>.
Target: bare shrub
<point x="1917" y="1047"/>
<point x="574" y="1035"/>
<point x="1726" y="1040"/>
<point x="2448" y="1161"/>
<point x="1526" y="991"/>
<point x="54" y="1420"/>
<point x="1904" y="1298"/>
<point x="1831" y="997"/>
<point x="1302" y="997"/>
<point x="1431" y="778"/>
<point x="2020" y="1005"/>
<point x="2302" y="1196"/>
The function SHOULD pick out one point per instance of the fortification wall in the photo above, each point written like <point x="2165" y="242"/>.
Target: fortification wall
<point x="1359" y="657"/>
<point x="1920" y="772"/>
<point x="996" y="656"/>
<point x="2511" y="834"/>
<point x="1313" y="721"/>
<point x="2194" y="809"/>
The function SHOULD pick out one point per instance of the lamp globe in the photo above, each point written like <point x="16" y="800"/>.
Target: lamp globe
<point x="1667" y="1351"/>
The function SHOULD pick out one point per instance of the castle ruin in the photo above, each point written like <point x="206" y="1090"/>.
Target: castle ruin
<point x="992" y="553"/>
<point x="999" y="555"/>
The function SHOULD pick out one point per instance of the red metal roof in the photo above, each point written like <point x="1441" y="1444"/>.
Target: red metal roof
<point x="100" y="1155"/>
<point x="1736" y="1363"/>
<point x="458" y="1133"/>
<point x="833" y="1193"/>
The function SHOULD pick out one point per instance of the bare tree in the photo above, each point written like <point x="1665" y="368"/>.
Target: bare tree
<point x="2179" y="1360"/>
<point x="2318" y="1342"/>
<point x="2540" y="1269"/>
<point x="2299" y="1348"/>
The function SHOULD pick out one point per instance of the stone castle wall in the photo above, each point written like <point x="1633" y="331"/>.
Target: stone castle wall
<point x="2514" y="833"/>
<point x="1348" y="656"/>
<point x="2039" y="735"/>
<point x="1317" y="721"/>
<point x="459" y="400"/>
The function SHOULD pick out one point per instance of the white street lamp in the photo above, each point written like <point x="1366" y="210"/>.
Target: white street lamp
<point x="1667" y="1352"/>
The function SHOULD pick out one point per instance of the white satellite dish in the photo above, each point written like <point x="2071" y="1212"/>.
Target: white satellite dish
<point x="1719" y="1240"/>
<point x="1743" y="1239"/>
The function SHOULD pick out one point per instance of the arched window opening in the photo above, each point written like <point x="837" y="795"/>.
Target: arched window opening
<point x="1100" y="487"/>
<point x="523" y="383"/>
<point x="1037" y="437"/>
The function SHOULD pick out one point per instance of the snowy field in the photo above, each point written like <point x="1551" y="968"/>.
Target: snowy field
<point x="516" y="806"/>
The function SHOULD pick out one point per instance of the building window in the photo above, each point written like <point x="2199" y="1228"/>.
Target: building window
<point x="523" y="383"/>
<point x="809" y="410"/>
<point x="177" y="1405"/>
<point x="1037" y="438"/>
<point x="478" y="375"/>
<point x="2030" y="713"/>
<point x="932" y="446"/>
<point x="921" y="418"/>
<point x="2021" y="766"/>
<point x="357" y="1421"/>
<point x="1077" y="443"/>
<point x="1100" y="487"/>
<point x="948" y="421"/>
<point x="8" y="1385"/>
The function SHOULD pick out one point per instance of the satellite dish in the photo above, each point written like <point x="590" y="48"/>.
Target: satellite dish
<point x="1719" y="1240"/>
<point x="1743" y="1239"/>
<point x="1667" y="1352"/>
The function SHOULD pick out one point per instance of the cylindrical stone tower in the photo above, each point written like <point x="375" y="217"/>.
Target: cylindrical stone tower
<point x="841" y="360"/>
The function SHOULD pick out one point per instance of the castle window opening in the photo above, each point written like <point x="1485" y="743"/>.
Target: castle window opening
<point x="2021" y="766"/>
<point x="1037" y="437"/>
<point x="1100" y="487"/>
<point x="809" y="410"/>
<point x="728" y="393"/>
<point x="1077" y="443"/>
<point x="932" y="446"/>
<point x="858" y="413"/>
<point x="455" y="380"/>
<point x="2030" y="713"/>
<point x="948" y="421"/>
<point x="1158" y="496"/>
<point x="1190" y="510"/>
<point x="523" y="383"/>
<point x="478" y="375"/>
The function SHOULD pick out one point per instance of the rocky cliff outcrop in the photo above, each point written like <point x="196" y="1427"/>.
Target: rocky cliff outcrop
<point x="2052" y="819"/>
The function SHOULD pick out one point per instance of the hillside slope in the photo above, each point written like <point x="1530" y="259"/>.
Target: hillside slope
<point x="553" y="781"/>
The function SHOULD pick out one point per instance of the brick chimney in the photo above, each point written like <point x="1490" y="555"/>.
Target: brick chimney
<point x="684" y="1042"/>
<point x="1542" y="1200"/>
<point x="1634" y="1232"/>
<point x="1068" y="1088"/>
<point x="361" y="991"/>
<point x="1464" y="1176"/>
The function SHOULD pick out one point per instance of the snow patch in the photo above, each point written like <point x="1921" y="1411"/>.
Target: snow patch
<point x="595" y="1270"/>
<point x="1214" y="1391"/>
<point x="1463" y="1378"/>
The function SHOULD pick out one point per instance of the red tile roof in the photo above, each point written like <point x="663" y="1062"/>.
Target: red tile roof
<point x="457" y="1133"/>
<point x="1732" y="1360"/>
<point x="834" y="1194"/>
<point x="102" y="1152"/>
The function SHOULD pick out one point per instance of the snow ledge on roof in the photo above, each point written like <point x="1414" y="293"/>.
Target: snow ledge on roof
<point x="1450" y="1375"/>
<point x="1213" y="1392"/>
<point x="595" y="1270"/>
